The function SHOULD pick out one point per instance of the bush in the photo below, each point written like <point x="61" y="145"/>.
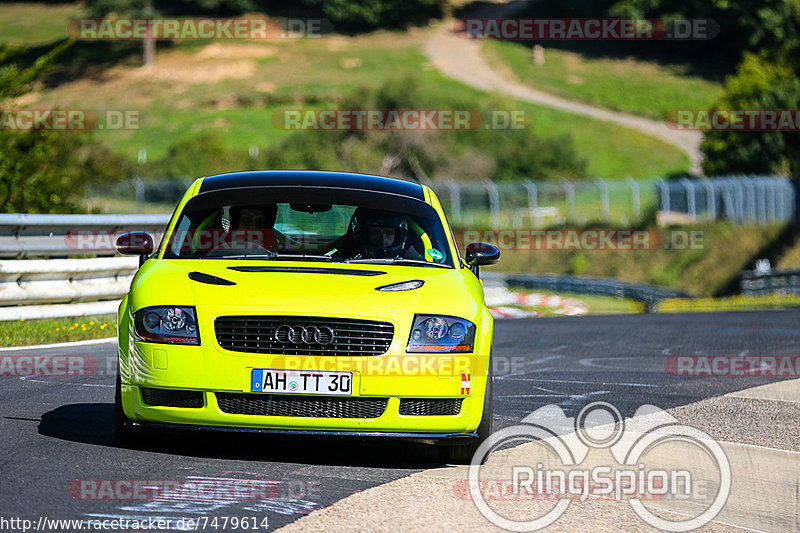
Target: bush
<point x="48" y="172"/>
<point x="368" y="14"/>
<point x="202" y="155"/>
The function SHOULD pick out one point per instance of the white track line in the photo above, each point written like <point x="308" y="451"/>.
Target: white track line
<point x="59" y="344"/>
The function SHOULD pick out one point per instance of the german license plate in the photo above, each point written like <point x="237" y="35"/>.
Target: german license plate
<point x="336" y="383"/>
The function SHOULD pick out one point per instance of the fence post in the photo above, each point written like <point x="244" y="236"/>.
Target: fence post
<point x="750" y="198"/>
<point x="604" y="198"/>
<point x="690" y="198"/>
<point x="533" y="197"/>
<point x="569" y="192"/>
<point x="664" y="190"/>
<point x="711" y="201"/>
<point x="138" y="188"/>
<point x="455" y="199"/>
<point x="635" y="197"/>
<point x="494" y="201"/>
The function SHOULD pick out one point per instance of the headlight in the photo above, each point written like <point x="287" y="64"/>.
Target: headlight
<point x="167" y="324"/>
<point x="431" y="333"/>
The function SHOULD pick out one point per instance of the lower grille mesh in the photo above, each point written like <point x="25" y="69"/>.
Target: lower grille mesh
<point x="172" y="398"/>
<point x="430" y="407"/>
<point x="302" y="406"/>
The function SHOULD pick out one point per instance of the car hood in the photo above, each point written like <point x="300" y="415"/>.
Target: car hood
<point x="315" y="288"/>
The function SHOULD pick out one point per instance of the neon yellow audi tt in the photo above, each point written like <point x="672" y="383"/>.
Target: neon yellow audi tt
<point x="307" y="302"/>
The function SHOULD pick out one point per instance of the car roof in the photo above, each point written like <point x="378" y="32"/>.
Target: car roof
<point x="317" y="178"/>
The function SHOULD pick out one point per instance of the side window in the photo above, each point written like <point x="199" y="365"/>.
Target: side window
<point x="179" y="235"/>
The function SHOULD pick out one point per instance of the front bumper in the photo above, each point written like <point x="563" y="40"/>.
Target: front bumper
<point x="211" y="371"/>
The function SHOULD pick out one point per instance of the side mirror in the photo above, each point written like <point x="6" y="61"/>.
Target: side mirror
<point x="481" y="254"/>
<point x="135" y="243"/>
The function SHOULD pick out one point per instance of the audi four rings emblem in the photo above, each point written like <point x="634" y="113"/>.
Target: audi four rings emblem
<point x="286" y="334"/>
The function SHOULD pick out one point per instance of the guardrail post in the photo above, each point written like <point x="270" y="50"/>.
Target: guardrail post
<point x="636" y="197"/>
<point x="604" y="198"/>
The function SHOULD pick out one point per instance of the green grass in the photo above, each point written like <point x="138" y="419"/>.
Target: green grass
<point x="597" y="305"/>
<point x="732" y="303"/>
<point x="725" y="250"/>
<point x="36" y="23"/>
<point x="236" y="93"/>
<point x="631" y="85"/>
<point x="54" y="330"/>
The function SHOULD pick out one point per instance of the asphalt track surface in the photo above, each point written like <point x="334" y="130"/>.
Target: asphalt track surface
<point x="56" y="431"/>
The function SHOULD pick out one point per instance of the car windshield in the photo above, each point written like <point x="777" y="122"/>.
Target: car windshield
<point x="370" y="229"/>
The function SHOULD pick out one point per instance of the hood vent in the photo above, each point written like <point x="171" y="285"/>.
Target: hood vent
<point x="309" y="270"/>
<point x="209" y="279"/>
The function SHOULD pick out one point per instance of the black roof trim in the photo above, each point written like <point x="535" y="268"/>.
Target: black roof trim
<point x="318" y="178"/>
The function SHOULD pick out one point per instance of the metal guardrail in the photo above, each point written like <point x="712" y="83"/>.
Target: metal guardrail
<point x="648" y="294"/>
<point x="23" y="235"/>
<point x="33" y="281"/>
<point x="777" y="281"/>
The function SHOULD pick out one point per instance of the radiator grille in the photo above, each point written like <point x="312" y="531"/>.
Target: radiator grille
<point x="292" y="335"/>
<point x="172" y="398"/>
<point x="430" y="407"/>
<point x="302" y="406"/>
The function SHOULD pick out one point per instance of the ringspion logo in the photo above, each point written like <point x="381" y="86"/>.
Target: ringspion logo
<point x="595" y="456"/>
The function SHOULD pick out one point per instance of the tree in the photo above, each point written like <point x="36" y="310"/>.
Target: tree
<point x="142" y="9"/>
<point x="46" y="171"/>
<point x="759" y="83"/>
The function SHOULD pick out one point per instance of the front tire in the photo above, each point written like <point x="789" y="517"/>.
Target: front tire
<point x="461" y="454"/>
<point x="124" y="433"/>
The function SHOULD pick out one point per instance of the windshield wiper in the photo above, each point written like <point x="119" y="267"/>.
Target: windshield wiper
<point x="268" y="255"/>
<point x="396" y="261"/>
<point x="315" y="257"/>
<point x="274" y="256"/>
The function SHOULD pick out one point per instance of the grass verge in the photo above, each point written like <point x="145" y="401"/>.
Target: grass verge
<point x="54" y="330"/>
<point x="731" y="303"/>
<point x="623" y="84"/>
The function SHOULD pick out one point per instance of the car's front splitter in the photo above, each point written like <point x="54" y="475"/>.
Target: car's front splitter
<point x="428" y="438"/>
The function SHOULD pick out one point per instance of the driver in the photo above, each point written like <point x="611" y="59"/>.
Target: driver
<point x="255" y="224"/>
<point x="375" y="234"/>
